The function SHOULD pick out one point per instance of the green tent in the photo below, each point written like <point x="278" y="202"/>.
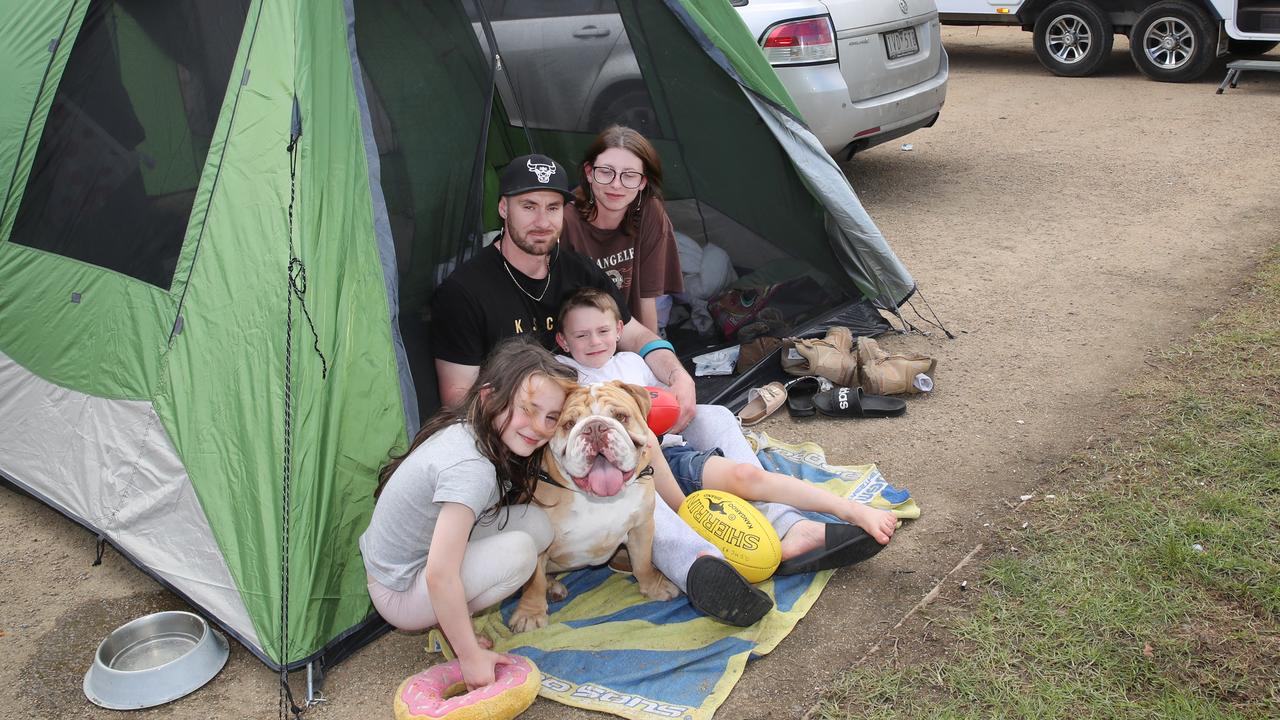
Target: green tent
<point x="221" y="222"/>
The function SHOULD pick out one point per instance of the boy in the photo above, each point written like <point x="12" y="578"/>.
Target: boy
<point x="715" y="455"/>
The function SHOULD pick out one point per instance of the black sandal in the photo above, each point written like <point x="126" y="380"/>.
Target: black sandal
<point x="800" y="394"/>
<point x="720" y="592"/>
<point x="851" y="402"/>
<point x="843" y="545"/>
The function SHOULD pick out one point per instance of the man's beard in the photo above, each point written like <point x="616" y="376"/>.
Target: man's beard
<point x="530" y="248"/>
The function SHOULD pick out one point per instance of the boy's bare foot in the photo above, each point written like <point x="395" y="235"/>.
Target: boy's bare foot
<point x="804" y="536"/>
<point x="878" y="523"/>
<point x="811" y="547"/>
<point x="809" y="535"/>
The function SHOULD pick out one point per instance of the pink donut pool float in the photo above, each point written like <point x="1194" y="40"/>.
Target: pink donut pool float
<point x="439" y="693"/>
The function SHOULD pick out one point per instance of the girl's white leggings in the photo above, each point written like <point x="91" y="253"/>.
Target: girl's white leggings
<point x="500" y="557"/>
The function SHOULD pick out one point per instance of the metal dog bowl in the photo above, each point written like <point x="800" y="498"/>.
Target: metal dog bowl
<point x="153" y="660"/>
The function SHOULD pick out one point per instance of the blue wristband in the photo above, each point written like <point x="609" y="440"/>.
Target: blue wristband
<point x="656" y="345"/>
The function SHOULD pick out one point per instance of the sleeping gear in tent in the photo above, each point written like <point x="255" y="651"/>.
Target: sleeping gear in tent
<point x="221" y="222"/>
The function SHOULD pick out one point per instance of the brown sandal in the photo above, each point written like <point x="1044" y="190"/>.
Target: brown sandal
<point x="762" y="402"/>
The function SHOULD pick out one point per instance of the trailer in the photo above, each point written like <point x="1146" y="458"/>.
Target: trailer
<point x="1169" y="40"/>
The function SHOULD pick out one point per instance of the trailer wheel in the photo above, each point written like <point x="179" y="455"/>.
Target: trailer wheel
<point x="1249" y="48"/>
<point x="1173" y="41"/>
<point x="1072" y="38"/>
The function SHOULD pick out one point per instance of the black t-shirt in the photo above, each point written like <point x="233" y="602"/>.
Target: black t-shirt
<point x="479" y="304"/>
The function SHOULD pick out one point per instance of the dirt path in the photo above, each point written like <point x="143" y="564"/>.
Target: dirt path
<point x="1062" y="229"/>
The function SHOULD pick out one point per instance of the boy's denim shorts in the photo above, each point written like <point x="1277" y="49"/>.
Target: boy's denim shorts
<point x="687" y="464"/>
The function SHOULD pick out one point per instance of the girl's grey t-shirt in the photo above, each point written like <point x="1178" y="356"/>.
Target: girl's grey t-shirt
<point x="447" y="467"/>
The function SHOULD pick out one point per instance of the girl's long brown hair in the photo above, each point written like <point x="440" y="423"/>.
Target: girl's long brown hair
<point x="620" y="136"/>
<point x="501" y="379"/>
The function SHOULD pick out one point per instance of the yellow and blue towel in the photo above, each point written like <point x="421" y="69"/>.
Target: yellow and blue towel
<point x="609" y="649"/>
<point x="807" y="460"/>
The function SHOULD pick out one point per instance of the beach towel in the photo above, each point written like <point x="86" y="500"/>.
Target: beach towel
<point x="608" y="648"/>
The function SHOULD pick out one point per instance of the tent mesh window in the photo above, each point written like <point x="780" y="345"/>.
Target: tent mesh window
<point x="569" y="65"/>
<point x="116" y="169"/>
<point x="425" y="82"/>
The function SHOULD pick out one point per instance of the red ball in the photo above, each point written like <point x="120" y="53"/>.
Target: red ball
<point x="664" y="409"/>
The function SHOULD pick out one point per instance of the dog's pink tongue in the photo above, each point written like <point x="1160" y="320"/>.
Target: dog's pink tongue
<point x="604" y="478"/>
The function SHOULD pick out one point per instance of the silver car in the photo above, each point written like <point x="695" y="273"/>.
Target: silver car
<point x="567" y="65"/>
<point x="862" y="72"/>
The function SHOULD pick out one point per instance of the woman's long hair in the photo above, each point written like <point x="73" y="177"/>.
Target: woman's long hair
<point x="620" y="136"/>
<point x="495" y="391"/>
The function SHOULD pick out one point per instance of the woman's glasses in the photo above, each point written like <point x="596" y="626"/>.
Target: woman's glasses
<point x="604" y="175"/>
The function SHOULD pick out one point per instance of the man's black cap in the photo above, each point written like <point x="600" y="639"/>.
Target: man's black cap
<point x="528" y="173"/>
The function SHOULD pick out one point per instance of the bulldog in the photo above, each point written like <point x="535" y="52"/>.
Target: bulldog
<point x="597" y="489"/>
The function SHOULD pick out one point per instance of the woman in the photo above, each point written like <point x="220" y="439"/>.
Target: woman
<point x="442" y="542"/>
<point x="621" y="222"/>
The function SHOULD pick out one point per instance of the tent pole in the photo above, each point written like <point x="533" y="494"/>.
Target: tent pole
<point x="475" y="198"/>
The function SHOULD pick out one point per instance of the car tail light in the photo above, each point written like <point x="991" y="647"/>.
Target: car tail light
<point x="812" y="40"/>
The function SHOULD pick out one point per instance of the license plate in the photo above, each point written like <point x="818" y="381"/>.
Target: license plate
<point x="901" y="43"/>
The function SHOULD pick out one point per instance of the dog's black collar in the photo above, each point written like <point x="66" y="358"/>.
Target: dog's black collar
<point x="544" y="476"/>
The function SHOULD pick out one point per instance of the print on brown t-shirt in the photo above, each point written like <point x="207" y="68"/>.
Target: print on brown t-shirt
<point x="644" y="264"/>
<point x="618" y="267"/>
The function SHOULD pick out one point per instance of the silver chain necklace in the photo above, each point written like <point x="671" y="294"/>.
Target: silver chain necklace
<point x="520" y="287"/>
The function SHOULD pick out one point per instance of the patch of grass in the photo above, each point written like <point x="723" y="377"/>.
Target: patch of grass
<point x="1150" y="588"/>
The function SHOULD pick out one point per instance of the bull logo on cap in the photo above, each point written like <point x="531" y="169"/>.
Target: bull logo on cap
<point x="544" y="172"/>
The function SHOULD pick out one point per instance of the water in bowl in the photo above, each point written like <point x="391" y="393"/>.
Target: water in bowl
<point x="153" y="651"/>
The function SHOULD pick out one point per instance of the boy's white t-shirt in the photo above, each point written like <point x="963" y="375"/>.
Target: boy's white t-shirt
<point x="625" y="366"/>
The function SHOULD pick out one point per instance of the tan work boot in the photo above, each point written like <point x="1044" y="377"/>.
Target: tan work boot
<point x="793" y="363"/>
<point x="869" y="352"/>
<point x="831" y="357"/>
<point x="840" y="338"/>
<point x="827" y="360"/>
<point x="885" y="374"/>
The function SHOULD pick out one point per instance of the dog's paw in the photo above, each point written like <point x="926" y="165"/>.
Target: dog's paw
<point x="526" y="621"/>
<point x="556" y="591"/>
<point x="659" y="588"/>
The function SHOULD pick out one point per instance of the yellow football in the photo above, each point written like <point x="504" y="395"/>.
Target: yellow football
<point x="735" y="526"/>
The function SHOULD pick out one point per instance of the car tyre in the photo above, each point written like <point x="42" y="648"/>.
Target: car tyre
<point x="1250" y="48"/>
<point x="1173" y="41"/>
<point x="627" y="105"/>
<point x="1073" y="38"/>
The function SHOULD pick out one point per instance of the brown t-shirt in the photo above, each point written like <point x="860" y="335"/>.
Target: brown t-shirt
<point x="644" y="264"/>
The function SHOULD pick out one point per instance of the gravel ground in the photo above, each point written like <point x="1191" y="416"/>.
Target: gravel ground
<point x="1063" y="229"/>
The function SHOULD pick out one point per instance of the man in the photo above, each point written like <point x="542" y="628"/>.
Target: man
<point x="516" y="286"/>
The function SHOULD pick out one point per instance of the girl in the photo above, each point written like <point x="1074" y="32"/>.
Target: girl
<point x="620" y="221"/>
<point x="452" y="485"/>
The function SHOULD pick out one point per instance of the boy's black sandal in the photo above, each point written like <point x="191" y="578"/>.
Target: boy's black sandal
<point x="720" y="592"/>
<point x="844" y="544"/>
